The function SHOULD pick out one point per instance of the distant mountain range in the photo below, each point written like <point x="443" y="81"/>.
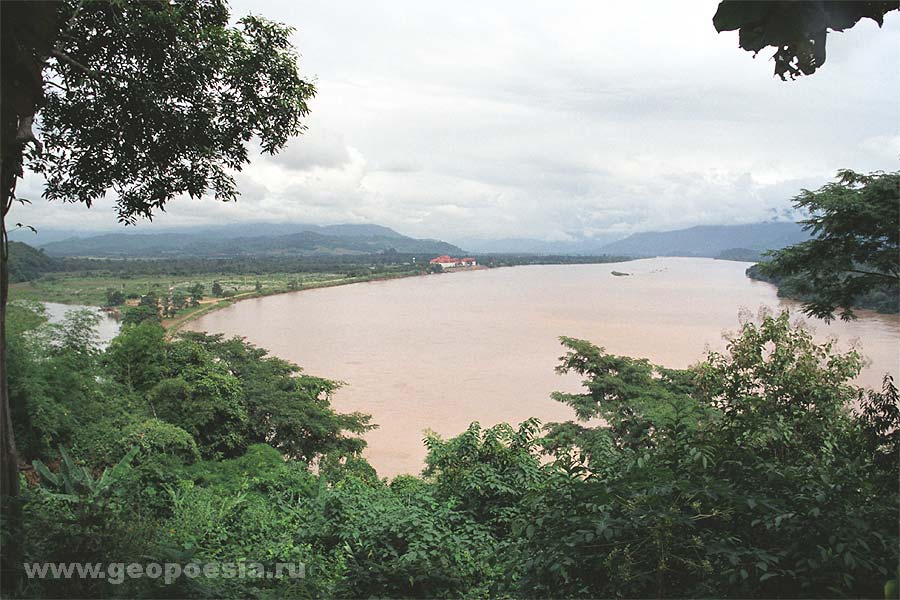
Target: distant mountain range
<point x="736" y="242"/>
<point x="249" y="240"/>
<point x="713" y="241"/>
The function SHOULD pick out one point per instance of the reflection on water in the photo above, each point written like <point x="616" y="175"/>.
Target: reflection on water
<point x="441" y="351"/>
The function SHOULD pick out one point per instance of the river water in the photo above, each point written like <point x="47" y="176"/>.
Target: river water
<point x="107" y="326"/>
<point x="438" y="352"/>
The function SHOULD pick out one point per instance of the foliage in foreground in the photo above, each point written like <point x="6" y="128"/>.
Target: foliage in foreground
<point x="798" y="30"/>
<point x="760" y="472"/>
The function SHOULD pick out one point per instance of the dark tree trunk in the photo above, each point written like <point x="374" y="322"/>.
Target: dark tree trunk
<point x="28" y="31"/>
<point x="9" y="459"/>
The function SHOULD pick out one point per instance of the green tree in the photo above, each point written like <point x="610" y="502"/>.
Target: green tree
<point x="179" y="299"/>
<point x="196" y="292"/>
<point x="136" y="357"/>
<point x="728" y="479"/>
<point x="797" y="29"/>
<point x="286" y="408"/>
<point x="205" y="402"/>
<point x="141" y="314"/>
<point x="150" y="300"/>
<point x="53" y="377"/>
<point x="217" y="289"/>
<point x="855" y="250"/>
<point x="151" y="99"/>
<point x="486" y="472"/>
<point x="115" y="297"/>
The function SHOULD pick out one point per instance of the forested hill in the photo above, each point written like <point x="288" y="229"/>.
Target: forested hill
<point x="883" y="298"/>
<point x="714" y="241"/>
<point x="251" y="240"/>
<point x="27" y="263"/>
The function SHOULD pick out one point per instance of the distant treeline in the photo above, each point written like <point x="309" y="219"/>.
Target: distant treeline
<point x="741" y="255"/>
<point x="885" y="299"/>
<point x="28" y="264"/>
<point x="257" y="265"/>
<point x="511" y="260"/>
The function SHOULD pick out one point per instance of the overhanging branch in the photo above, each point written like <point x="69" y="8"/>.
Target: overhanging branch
<point x="876" y="274"/>
<point x="93" y="73"/>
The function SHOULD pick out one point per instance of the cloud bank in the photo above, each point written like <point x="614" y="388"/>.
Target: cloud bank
<point x="510" y="119"/>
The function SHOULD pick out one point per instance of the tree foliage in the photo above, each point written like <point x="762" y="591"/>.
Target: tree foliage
<point x="27" y="263"/>
<point x="759" y="472"/>
<point x="144" y="99"/>
<point x="735" y="483"/>
<point x="855" y="250"/>
<point x="796" y="29"/>
<point x="154" y="99"/>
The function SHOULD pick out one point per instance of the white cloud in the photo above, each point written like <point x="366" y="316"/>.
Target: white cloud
<point x="514" y="119"/>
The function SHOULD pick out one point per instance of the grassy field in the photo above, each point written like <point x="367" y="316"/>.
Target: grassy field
<point x="72" y="288"/>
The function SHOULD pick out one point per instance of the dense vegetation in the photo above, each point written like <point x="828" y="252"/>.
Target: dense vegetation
<point x="749" y="475"/>
<point x="853" y="256"/>
<point x="27" y="263"/>
<point x="151" y="100"/>
<point x="884" y="298"/>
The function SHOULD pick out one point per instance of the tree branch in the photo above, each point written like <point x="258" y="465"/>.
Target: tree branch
<point x="94" y="74"/>
<point x="885" y="275"/>
<point x="54" y="84"/>
<point x="62" y="56"/>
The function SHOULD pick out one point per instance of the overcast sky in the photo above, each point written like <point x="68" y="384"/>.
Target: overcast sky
<point x="548" y="120"/>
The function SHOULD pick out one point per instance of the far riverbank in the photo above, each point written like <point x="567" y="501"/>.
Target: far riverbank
<point x="132" y="280"/>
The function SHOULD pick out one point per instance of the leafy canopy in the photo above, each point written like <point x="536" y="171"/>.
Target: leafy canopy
<point x="155" y="99"/>
<point x="733" y="478"/>
<point x="855" y="222"/>
<point x="797" y="29"/>
<point x="759" y="472"/>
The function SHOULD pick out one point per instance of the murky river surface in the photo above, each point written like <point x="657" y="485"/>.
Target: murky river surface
<point x="107" y="326"/>
<point x="439" y="352"/>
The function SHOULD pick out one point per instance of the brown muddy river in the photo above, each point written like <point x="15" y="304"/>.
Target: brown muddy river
<point x="439" y="352"/>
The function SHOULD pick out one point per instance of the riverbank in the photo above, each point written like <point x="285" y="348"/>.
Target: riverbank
<point x="883" y="300"/>
<point x="174" y="325"/>
<point x="131" y="282"/>
<point x="91" y="291"/>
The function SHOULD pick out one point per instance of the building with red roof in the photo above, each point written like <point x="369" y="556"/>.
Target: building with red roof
<point x="449" y="262"/>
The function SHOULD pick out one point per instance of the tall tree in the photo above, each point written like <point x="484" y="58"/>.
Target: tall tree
<point x="796" y="29"/>
<point x="855" y="249"/>
<point x="145" y="99"/>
